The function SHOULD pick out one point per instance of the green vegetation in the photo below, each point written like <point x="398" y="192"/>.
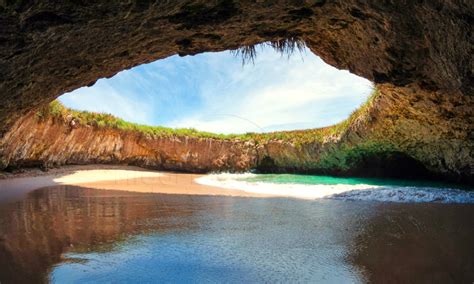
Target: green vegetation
<point x="339" y="156"/>
<point x="286" y="46"/>
<point x="57" y="111"/>
<point x="359" y="113"/>
<point x="348" y="157"/>
<point x="318" y="134"/>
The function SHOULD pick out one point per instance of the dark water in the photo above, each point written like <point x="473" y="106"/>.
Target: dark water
<point x="70" y="234"/>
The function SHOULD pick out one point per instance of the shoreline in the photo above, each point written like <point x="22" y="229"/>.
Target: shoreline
<point x="140" y="180"/>
<point x="372" y="236"/>
<point x="113" y="177"/>
<point x="65" y="169"/>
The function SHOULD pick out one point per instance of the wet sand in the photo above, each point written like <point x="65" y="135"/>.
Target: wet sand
<point x="78" y="234"/>
<point x="168" y="183"/>
<point x="125" y="178"/>
<point x="294" y="240"/>
<point x="416" y="243"/>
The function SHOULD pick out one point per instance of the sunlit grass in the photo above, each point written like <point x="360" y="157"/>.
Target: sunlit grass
<point x="58" y="111"/>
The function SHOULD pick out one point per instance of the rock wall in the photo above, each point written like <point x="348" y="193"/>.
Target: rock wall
<point x="399" y="134"/>
<point x="48" y="48"/>
<point x="404" y="133"/>
<point x="435" y="128"/>
<point x="421" y="51"/>
<point x="54" y="142"/>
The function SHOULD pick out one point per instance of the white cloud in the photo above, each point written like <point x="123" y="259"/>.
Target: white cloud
<point x="287" y="96"/>
<point x="213" y="92"/>
<point x="104" y="98"/>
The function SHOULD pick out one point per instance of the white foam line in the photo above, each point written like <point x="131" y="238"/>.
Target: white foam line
<point x="339" y="191"/>
<point x="304" y="191"/>
<point x="409" y="194"/>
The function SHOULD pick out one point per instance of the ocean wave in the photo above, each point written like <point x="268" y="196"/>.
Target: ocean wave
<point x="365" y="192"/>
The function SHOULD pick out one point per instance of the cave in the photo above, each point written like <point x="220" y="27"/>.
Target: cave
<point x="421" y="65"/>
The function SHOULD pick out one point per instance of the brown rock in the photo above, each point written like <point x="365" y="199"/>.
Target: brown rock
<point x="421" y="51"/>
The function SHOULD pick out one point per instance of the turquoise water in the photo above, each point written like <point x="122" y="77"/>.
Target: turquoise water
<point x="331" y="180"/>
<point x="345" y="188"/>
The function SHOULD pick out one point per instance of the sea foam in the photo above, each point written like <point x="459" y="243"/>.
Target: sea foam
<point x="367" y="192"/>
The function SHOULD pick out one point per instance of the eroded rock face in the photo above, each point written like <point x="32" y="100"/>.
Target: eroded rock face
<point x="435" y="128"/>
<point x="50" y="47"/>
<point x="432" y="128"/>
<point x="35" y="143"/>
<point x="395" y="136"/>
<point x="421" y="51"/>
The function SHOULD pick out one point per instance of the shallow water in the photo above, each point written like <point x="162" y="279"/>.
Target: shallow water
<point x="328" y="180"/>
<point x="369" y="189"/>
<point x="73" y="234"/>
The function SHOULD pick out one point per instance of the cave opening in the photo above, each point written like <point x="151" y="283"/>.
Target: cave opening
<point x="254" y="89"/>
<point x="291" y="110"/>
<point x="184" y="116"/>
<point x="418" y="63"/>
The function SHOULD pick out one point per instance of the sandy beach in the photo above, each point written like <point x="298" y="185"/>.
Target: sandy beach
<point x="126" y="178"/>
<point x="84" y="209"/>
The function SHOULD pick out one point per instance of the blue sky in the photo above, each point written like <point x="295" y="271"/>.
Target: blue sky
<point x="215" y="92"/>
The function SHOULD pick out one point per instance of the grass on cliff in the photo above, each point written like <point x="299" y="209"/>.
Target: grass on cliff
<point x="58" y="111"/>
<point x="357" y="114"/>
<point x="319" y="134"/>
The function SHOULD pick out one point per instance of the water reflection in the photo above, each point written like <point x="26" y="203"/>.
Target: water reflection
<point x="49" y="222"/>
<point x="73" y="234"/>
